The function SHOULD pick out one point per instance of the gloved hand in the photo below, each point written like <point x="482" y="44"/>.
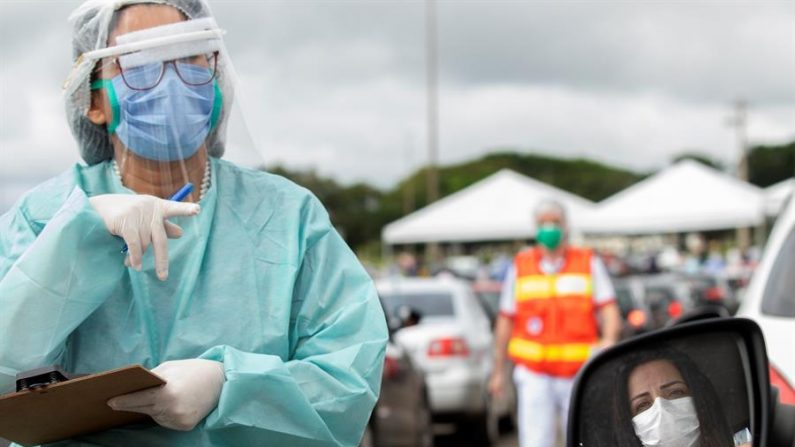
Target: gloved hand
<point x="141" y="220"/>
<point x="191" y="392"/>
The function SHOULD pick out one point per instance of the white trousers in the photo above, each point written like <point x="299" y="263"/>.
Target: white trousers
<point x="542" y="401"/>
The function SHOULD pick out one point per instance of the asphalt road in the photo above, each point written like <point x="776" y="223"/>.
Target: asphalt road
<point x="461" y="440"/>
<point x="457" y="440"/>
<point x="446" y="436"/>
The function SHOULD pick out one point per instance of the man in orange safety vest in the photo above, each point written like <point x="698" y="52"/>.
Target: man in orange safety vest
<point x="552" y="300"/>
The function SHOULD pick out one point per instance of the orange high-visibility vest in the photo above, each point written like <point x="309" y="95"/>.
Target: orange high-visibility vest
<point x="554" y="327"/>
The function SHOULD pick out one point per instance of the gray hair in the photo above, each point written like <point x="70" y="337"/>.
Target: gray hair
<point x="547" y="206"/>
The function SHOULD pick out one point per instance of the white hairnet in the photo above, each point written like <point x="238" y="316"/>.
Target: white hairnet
<point x="92" y="23"/>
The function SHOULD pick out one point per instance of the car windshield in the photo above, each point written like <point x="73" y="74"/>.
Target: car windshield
<point x="427" y="304"/>
<point x="779" y="297"/>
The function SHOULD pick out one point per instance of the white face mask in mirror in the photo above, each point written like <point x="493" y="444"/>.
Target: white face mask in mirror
<point x="668" y="423"/>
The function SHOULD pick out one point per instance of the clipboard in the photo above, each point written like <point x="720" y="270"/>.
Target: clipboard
<point x="71" y="408"/>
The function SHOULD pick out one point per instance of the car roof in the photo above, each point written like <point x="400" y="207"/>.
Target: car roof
<point x="436" y="284"/>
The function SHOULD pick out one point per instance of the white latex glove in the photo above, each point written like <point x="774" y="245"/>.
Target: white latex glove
<point x="191" y="392"/>
<point x="141" y="220"/>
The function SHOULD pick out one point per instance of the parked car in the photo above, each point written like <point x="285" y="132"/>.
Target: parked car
<point x="770" y="301"/>
<point x="402" y="415"/>
<point x="488" y="294"/>
<point x="466" y="267"/>
<point x="452" y="344"/>
<point x="649" y="302"/>
<point x="635" y="313"/>
<point x="713" y="290"/>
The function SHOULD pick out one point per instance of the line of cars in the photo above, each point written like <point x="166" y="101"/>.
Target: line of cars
<point x="652" y="301"/>
<point x="450" y="345"/>
<point x="444" y="335"/>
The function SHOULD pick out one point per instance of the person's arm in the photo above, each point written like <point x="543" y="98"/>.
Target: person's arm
<point x="324" y="392"/>
<point x="611" y="324"/>
<point x="604" y="297"/>
<point x="502" y="333"/>
<point x="51" y="279"/>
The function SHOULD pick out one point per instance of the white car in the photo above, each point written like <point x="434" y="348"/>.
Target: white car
<point x="770" y="301"/>
<point x="452" y="344"/>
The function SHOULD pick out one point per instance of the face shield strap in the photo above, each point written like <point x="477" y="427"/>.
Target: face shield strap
<point x="107" y="84"/>
<point x="217" y="105"/>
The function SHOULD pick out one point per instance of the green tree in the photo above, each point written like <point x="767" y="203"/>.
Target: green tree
<point x="771" y="164"/>
<point x="361" y="211"/>
<point x="699" y="157"/>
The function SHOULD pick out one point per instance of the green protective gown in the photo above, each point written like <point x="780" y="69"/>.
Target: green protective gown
<point x="260" y="281"/>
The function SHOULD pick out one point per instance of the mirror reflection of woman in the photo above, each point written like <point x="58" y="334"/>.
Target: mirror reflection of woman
<point x="662" y="399"/>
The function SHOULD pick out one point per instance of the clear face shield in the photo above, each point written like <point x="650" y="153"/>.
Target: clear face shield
<point x="163" y="90"/>
<point x="159" y="102"/>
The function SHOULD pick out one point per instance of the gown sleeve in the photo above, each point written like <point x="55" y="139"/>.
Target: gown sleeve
<point x="53" y="275"/>
<point x="324" y="393"/>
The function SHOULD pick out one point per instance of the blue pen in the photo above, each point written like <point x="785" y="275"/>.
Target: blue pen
<point x="178" y="197"/>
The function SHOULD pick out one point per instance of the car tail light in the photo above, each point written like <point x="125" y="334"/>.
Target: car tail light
<point x="448" y="347"/>
<point x="675" y="309"/>
<point x="786" y="393"/>
<point x="714" y="294"/>
<point x="391" y="367"/>
<point x="636" y="318"/>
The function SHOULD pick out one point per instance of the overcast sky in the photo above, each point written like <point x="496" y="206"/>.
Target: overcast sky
<point x="340" y="85"/>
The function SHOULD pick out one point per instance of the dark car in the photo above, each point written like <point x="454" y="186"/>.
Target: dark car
<point x="402" y="416"/>
<point x="712" y="290"/>
<point x="649" y="302"/>
<point x="636" y="315"/>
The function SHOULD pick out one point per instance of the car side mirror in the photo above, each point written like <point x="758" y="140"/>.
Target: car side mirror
<point x="704" y="381"/>
<point x="700" y="313"/>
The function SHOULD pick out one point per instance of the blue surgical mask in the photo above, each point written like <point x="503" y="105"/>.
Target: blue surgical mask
<point x="168" y="122"/>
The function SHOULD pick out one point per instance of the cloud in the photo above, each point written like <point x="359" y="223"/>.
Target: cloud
<point x="641" y="132"/>
<point x="340" y="85"/>
<point x="694" y="51"/>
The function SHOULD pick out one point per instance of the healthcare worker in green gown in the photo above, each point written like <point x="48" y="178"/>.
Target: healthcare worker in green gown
<point x="242" y="297"/>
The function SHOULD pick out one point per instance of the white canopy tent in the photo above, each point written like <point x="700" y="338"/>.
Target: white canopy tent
<point x="776" y="196"/>
<point x="499" y="207"/>
<point x="687" y="196"/>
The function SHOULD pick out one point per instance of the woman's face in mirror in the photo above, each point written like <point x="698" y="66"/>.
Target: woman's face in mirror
<point x="650" y="380"/>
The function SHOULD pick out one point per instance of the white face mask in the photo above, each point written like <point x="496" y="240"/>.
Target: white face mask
<point x="668" y="423"/>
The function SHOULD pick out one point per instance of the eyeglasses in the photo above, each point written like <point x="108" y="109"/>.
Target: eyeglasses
<point x="194" y="70"/>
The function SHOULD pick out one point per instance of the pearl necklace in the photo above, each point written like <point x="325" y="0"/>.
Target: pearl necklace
<point x="205" y="186"/>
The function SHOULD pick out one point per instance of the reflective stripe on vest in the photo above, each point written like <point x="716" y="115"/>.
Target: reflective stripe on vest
<point x="535" y="287"/>
<point x="536" y="352"/>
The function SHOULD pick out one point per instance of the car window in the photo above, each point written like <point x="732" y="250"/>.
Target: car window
<point x="779" y="296"/>
<point x="658" y="296"/>
<point x="490" y="302"/>
<point x="427" y="304"/>
<point x="624" y="297"/>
